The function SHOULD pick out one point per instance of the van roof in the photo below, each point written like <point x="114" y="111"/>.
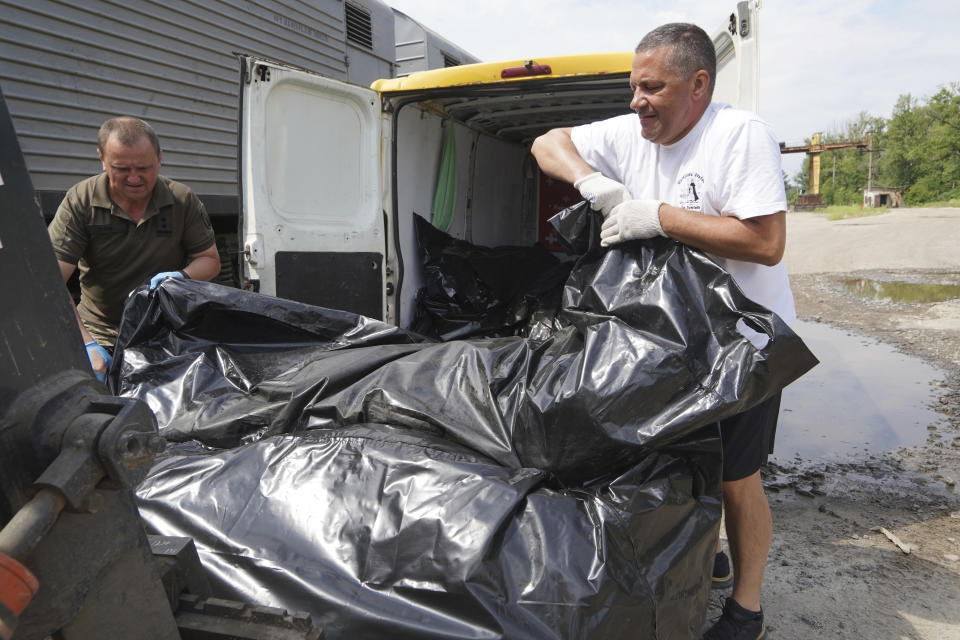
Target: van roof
<point x="518" y="100"/>
<point x="489" y="73"/>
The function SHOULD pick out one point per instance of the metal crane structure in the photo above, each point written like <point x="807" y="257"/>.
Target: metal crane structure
<point x="811" y="199"/>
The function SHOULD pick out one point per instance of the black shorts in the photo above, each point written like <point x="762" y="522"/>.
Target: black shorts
<point x="747" y="438"/>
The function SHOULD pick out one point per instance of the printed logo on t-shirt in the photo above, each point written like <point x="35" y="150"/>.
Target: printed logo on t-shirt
<point x="690" y="192"/>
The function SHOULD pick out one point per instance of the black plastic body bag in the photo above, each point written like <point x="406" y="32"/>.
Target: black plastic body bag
<point x="474" y="291"/>
<point x="396" y="487"/>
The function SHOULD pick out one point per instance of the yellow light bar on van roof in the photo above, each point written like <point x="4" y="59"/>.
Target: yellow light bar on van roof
<point x="493" y="72"/>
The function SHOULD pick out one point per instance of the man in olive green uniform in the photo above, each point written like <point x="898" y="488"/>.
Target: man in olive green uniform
<point x="124" y="227"/>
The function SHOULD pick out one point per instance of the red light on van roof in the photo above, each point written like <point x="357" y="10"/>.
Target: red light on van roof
<point x="528" y="69"/>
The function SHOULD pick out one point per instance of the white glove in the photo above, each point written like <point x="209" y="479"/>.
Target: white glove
<point x="601" y="192"/>
<point x="632" y="220"/>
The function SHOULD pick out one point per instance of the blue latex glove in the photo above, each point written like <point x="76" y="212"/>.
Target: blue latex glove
<point x="163" y="275"/>
<point x="93" y="348"/>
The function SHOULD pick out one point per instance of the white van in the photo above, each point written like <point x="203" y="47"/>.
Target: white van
<point x="332" y="173"/>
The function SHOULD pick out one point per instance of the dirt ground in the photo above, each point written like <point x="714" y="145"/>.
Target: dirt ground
<point x="831" y="572"/>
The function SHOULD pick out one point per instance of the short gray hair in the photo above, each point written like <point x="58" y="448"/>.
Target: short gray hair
<point x="129" y="130"/>
<point x="691" y="49"/>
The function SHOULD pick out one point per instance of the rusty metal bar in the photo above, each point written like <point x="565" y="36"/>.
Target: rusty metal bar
<point x="31" y="523"/>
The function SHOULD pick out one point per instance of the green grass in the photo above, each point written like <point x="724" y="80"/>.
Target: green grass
<point x="842" y="211"/>
<point x="953" y="202"/>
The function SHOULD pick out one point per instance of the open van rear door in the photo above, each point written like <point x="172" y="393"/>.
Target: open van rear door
<point x="312" y="225"/>
<point x="738" y="68"/>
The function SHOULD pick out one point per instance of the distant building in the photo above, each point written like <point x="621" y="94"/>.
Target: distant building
<point x="878" y="197"/>
<point x="807" y="201"/>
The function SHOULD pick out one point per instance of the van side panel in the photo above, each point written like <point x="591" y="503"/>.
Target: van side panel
<point x="419" y="138"/>
<point x="503" y="196"/>
<point x="495" y="201"/>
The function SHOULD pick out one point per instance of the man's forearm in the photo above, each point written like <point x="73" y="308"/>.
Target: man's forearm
<point x="202" y="268"/>
<point x="761" y="239"/>
<point x="83" y="330"/>
<point x="204" y="265"/>
<point x="66" y="271"/>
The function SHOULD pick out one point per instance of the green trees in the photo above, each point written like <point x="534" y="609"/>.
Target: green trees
<point x="938" y="152"/>
<point x="917" y="152"/>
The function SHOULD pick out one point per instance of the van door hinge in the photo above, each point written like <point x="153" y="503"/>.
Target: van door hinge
<point x="743" y="8"/>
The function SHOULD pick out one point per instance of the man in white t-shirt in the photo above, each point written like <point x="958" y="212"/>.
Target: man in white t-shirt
<point x="709" y="176"/>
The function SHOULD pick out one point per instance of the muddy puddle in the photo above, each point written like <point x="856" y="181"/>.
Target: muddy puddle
<point x="863" y="397"/>
<point x="900" y="291"/>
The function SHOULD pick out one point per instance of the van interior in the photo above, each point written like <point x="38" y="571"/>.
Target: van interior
<point x="501" y="197"/>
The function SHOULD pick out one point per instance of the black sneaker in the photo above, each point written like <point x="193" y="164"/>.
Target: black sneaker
<point x="722" y="574"/>
<point x="736" y="623"/>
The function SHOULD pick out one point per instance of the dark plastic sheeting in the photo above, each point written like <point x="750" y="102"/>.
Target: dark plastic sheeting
<point x="390" y="533"/>
<point x="225" y="366"/>
<point x="505" y="487"/>
<point x="475" y="291"/>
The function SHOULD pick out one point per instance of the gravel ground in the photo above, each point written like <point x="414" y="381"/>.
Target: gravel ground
<point x="835" y="568"/>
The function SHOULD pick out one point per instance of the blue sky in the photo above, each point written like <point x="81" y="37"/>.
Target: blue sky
<point x="822" y="61"/>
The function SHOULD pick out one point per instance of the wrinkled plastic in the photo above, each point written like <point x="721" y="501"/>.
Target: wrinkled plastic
<point x="225" y="366"/>
<point x="382" y="532"/>
<point x="565" y="487"/>
<point x="473" y="291"/>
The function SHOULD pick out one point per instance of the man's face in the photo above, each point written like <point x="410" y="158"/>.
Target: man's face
<point x="664" y="102"/>
<point x="131" y="170"/>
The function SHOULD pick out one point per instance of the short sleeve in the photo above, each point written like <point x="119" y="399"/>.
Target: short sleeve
<point x="197" y="230"/>
<point x="68" y="231"/>
<point x="600" y="144"/>
<point x="753" y="179"/>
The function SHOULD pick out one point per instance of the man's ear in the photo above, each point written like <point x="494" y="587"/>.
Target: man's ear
<point x="701" y="83"/>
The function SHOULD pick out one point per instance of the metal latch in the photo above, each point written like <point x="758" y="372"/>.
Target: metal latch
<point x="252" y="251"/>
